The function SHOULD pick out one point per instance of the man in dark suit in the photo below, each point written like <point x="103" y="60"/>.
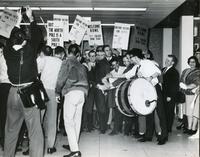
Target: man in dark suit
<point x="170" y="86"/>
<point x="102" y="68"/>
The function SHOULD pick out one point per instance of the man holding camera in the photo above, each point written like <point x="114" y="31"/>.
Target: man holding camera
<point x="20" y="55"/>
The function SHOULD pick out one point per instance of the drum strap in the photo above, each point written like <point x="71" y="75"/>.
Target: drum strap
<point x="136" y="72"/>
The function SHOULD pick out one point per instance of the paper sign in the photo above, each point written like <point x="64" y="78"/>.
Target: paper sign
<point x="65" y="20"/>
<point x="121" y="36"/>
<point x="78" y="29"/>
<point x="140" y="37"/>
<point x="55" y="33"/>
<point x="95" y="33"/>
<point x="8" y="20"/>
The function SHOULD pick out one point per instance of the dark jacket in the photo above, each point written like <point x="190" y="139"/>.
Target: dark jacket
<point x="170" y="83"/>
<point x="72" y="76"/>
<point x="29" y="54"/>
<point x="102" y="68"/>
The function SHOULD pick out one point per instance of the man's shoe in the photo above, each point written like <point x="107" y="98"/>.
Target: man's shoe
<point x="161" y="142"/>
<point x="51" y="150"/>
<point x="73" y="154"/>
<point x="144" y="139"/>
<point x="26" y="152"/>
<point x="66" y="146"/>
<point x="113" y="133"/>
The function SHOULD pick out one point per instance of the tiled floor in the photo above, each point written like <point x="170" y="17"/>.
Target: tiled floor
<point x="98" y="145"/>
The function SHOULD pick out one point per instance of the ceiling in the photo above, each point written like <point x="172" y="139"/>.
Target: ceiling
<point x="157" y="10"/>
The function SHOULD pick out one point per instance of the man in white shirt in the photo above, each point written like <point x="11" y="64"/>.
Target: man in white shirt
<point x="148" y="70"/>
<point x="49" y="67"/>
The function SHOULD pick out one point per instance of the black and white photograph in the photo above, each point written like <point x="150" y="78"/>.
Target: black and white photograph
<point x="99" y="78"/>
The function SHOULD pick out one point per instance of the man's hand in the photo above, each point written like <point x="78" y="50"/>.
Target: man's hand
<point x="19" y="19"/>
<point x="29" y="13"/>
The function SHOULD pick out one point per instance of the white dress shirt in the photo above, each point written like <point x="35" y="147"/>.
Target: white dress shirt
<point x="49" y="68"/>
<point x="148" y="68"/>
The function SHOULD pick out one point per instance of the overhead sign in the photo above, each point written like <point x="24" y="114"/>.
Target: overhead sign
<point x="78" y="29"/>
<point x="55" y="33"/>
<point x="121" y="36"/>
<point x="95" y="33"/>
<point x="8" y="20"/>
<point x="65" y="20"/>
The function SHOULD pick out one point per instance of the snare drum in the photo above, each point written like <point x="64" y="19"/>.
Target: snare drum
<point x="137" y="96"/>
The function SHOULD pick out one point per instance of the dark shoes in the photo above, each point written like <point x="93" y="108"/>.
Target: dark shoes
<point x="26" y="152"/>
<point x="73" y="154"/>
<point x="113" y="133"/>
<point x="51" y="150"/>
<point x="162" y="141"/>
<point x="66" y="146"/>
<point x="144" y="139"/>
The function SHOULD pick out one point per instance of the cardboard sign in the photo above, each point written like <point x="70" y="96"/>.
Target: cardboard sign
<point x="140" y="37"/>
<point x="121" y="36"/>
<point x="8" y="20"/>
<point x="65" y="20"/>
<point x="95" y="33"/>
<point x="78" y="29"/>
<point x="55" y="33"/>
<point x="86" y="35"/>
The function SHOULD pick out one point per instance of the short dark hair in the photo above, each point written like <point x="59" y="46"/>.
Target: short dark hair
<point x="114" y="59"/>
<point x="104" y="46"/>
<point x="73" y="49"/>
<point x="174" y="59"/>
<point x="150" y="55"/>
<point x="47" y="50"/>
<point x="136" y="52"/>
<point x="195" y="59"/>
<point x="91" y="51"/>
<point x="99" y="48"/>
<point x="59" y="50"/>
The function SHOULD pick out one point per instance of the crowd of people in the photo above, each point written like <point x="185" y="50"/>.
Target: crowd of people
<point x="81" y="89"/>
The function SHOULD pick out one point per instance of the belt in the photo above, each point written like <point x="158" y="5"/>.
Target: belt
<point x="21" y="85"/>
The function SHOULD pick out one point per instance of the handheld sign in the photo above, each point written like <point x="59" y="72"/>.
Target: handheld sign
<point x="121" y="36"/>
<point x="78" y="29"/>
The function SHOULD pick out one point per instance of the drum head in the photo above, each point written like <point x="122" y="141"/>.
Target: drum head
<point x="139" y="93"/>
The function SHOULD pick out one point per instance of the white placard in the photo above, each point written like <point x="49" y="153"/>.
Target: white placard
<point x="140" y="37"/>
<point x="86" y="35"/>
<point x="95" y="33"/>
<point x="65" y="20"/>
<point x="121" y="36"/>
<point x="8" y="20"/>
<point x="55" y="33"/>
<point x="78" y="29"/>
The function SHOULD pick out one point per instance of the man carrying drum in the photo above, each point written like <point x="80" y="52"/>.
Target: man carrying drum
<point x="149" y="71"/>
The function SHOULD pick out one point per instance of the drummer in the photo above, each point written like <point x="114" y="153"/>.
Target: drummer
<point x="148" y="70"/>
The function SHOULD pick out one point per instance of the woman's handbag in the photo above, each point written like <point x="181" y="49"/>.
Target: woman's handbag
<point x="34" y="95"/>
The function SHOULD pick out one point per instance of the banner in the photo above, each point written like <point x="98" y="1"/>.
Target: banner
<point x="65" y="20"/>
<point x="78" y="29"/>
<point x="140" y="37"/>
<point x="95" y="33"/>
<point x="8" y="20"/>
<point x="121" y="36"/>
<point x="55" y="33"/>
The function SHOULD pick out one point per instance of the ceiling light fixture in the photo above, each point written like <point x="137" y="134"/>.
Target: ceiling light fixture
<point x="66" y="8"/>
<point x="120" y="9"/>
<point x="16" y="8"/>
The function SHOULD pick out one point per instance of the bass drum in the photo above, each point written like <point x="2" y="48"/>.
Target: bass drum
<point x="136" y="97"/>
